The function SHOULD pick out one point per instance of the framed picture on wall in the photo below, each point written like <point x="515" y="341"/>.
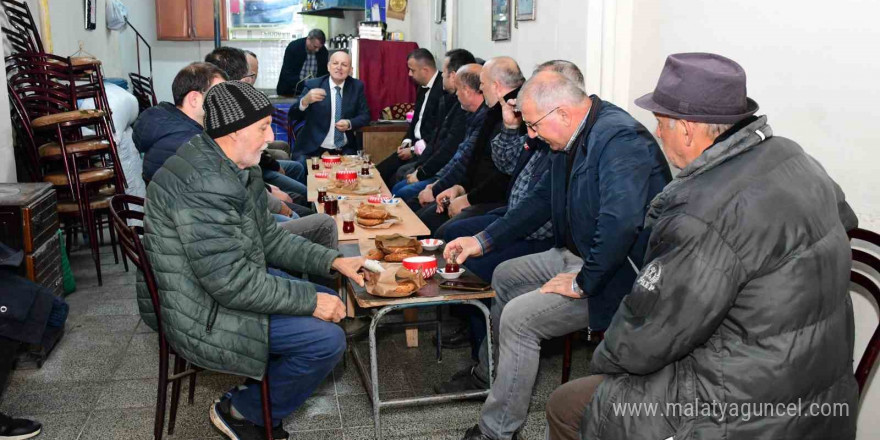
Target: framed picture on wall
<point x="525" y="10"/>
<point x="500" y="20"/>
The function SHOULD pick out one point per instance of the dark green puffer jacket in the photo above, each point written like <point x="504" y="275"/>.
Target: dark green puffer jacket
<point x="209" y="238"/>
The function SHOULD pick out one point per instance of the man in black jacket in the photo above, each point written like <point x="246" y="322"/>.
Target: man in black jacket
<point x="426" y="117"/>
<point x="744" y="296"/>
<point x="478" y="186"/>
<point x="414" y="176"/>
<point x="304" y="58"/>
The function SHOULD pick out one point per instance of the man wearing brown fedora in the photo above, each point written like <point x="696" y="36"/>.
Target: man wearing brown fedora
<point x="740" y="324"/>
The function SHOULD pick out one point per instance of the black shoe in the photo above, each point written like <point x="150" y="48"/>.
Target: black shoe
<point x="18" y="429"/>
<point x="278" y="432"/>
<point x="474" y="433"/>
<point x="355" y="327"/>
<point x="464" y="380"/>
<point x="457" y="338"/>
<point x="234" y="429"/>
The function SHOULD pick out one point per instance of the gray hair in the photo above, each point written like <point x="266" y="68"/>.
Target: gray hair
<point x="565" y="68"/>
<point x="549" y="90"/>
<point x="506" y="71"/>
<point x="469" y="76"/>
<point x="712" y="130"/>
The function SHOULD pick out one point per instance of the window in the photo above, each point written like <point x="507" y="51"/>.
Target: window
<point x="265" y="20"/>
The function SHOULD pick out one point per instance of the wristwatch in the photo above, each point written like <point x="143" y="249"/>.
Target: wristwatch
<point x="575" y="288"/>
<point x="412" y="148"/>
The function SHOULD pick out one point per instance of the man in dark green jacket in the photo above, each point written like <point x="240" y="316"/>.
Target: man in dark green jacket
<point x="211" y="242"/>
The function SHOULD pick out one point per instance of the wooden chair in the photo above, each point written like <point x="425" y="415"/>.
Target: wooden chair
<point x="592" y="337"/>
<point x="43" y="91"/>
<point x="872" y="285"/>
<point x="19" y="17"/>
<point x="142" y="89"/>
<point x="129" y="238"/>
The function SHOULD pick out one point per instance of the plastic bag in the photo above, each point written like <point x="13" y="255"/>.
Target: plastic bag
<point x="116" y="13"/>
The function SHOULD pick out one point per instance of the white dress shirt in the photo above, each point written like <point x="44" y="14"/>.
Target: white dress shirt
<point x="328" y="140"/>
<point x="418" y="130"/>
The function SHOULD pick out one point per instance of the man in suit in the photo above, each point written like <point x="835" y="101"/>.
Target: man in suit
<point x="333" y="106"/>
<point x="426" y="116"/>
<point x="304" y="58"/>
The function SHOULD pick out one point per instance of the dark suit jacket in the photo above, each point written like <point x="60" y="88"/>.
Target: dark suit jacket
<point x="432" y="118"/>
<point x="294" y="56"/>
<point x="317" y="115"/>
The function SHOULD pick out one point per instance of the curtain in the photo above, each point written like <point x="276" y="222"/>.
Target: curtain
<point x="382" y="68"/>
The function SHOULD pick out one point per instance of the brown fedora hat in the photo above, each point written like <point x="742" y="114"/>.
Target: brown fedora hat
<point x="700" y="87"/>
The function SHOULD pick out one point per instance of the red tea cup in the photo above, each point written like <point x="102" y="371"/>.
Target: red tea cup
<point x="331" y="161"/>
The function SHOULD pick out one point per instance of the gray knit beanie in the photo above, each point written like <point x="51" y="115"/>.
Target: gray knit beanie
<point x="233" y="105"/>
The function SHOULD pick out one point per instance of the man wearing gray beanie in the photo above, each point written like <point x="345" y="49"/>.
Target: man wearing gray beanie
<point x="211" y="242"/>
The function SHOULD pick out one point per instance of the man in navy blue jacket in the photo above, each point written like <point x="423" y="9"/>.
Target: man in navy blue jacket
<point x="604" y="172"/>
<point x="160" y="130"/>
<point x="333" y="107"/>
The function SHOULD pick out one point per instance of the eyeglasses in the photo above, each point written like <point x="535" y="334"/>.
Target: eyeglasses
<point x="250" y="75"/>
<point x="534" y="125"/>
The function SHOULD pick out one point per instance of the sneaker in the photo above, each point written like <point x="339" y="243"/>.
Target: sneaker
<point x="18" y="429"/>
<point x="232" y="428"/>
<point x="278" y="432"/>
<point x="464" y="380"/>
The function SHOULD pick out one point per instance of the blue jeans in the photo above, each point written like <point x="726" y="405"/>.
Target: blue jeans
<point x="302" y="351"/>
<point x="406" y="190"/>
<point x="291" y="181"/>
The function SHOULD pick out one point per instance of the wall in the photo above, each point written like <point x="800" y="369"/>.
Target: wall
<point x="558" y="32"/>
<point x="7" y="153"/>
<point x="809" y="68"/>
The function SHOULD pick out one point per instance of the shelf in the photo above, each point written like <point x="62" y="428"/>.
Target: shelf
<point x="334" y="12"/>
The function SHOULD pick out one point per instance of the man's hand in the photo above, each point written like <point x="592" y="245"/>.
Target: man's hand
<point x="561" y="284"/>
<point x="426" y="196"/>
<point x="511" y="118"/>
<point x="286" y="211"/>
<point x="412" y="177"/>
<point x="404" y="152"/>
<point x="278" y="194"/>
<point x="350" y="267"/>
<point x="449" y="194"/>
<point x="458" y="205"/>
<point x="343" y="125"/>
<point x="463" y="247"/>
<point x="313" y="96"/>
<point x="329" y="308"/>
<point x="281" y="170"/>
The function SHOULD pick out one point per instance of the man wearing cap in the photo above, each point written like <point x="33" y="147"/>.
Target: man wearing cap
<point x="210" y="239"/>
<point x="742" y="312"/>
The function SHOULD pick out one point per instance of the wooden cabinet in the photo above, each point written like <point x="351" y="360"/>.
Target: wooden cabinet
<point x="29" y="221"/>
<point x="189" y="20"/>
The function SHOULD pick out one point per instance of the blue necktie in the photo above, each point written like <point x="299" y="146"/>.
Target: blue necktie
<point x="338" y="136"/>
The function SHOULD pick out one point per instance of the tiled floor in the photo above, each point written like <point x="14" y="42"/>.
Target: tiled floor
<point x="100" y="382"/>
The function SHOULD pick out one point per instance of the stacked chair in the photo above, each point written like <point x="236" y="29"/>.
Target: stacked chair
<point x="72" y="149"/>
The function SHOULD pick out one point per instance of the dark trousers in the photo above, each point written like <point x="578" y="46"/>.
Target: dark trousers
<point x="302" y="351"/>
<point x="389" y="166"/>
<point x="438" y="222"/>
<point x="566" y="407"/>
<point x="484" y="266"/>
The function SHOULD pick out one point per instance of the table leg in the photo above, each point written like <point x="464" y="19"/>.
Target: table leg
<point x="412" y="333"/>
